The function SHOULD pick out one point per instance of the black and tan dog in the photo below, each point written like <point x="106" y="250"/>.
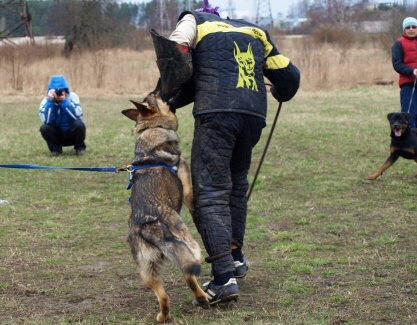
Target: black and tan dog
<point x="159" y="187"/>
<point x="403" y="141"/>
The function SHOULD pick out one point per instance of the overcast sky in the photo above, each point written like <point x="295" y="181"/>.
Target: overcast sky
<point x="277" y="6"/>
<point x="247" y="7"/>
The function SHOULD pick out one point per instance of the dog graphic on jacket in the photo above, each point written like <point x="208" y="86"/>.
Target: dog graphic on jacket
<point x="246" y="64"/>
<point x="156" y="230"/>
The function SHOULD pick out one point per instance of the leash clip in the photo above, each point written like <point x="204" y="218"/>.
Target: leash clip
<point x="130" y="169"/>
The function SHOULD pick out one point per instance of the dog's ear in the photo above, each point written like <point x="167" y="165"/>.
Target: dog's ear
<point x="144" y="109"/>
<point x="131" y="113"/>
<point x="407" y="116"/>
<point x="389" y="116"/>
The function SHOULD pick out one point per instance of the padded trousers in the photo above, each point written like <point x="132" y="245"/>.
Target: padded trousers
<point x="220" y="161"/>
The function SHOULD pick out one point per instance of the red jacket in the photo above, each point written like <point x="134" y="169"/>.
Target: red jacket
<point x="407" y="61"/>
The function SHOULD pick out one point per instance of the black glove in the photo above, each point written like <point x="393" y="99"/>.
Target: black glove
<point x="281" y="97"/>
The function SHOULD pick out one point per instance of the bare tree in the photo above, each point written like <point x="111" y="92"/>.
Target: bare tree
<point x="300" y="9"/>
<point x="330" y="12"/>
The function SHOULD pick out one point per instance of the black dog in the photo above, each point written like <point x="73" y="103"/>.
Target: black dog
<point x="403" y="141"/>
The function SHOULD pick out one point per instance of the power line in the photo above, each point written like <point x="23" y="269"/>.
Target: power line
<point x="18" y="8"/>
<point x="264" y="14"/>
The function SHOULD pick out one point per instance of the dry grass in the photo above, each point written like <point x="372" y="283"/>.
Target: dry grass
<point x="103" y="71"/>
<point x="27" y="69"/>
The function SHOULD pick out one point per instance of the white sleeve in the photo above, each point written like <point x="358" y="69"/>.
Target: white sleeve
<point x="42" y="113"/>
<point x="186" y="31"/>
<point x="75" y="100"/>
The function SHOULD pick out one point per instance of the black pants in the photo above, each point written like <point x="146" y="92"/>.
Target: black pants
<point x="220" y="160"/>
<point x="56" y="138"/>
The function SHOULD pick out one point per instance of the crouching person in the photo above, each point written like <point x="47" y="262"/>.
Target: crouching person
<point x="60" y="111"/>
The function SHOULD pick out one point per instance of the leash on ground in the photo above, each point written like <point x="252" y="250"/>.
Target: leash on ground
<point x="412" y="94"/>
<point x="264" y="153"/>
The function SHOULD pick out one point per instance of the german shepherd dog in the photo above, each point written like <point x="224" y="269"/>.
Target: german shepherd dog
<point x="403" y="141"/>
<point x="156" y="231"/>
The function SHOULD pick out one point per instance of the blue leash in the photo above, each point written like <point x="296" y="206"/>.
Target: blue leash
<point x="91" y="169"/>
<point x="131" y="169"/>
<point x="412" y="94"/>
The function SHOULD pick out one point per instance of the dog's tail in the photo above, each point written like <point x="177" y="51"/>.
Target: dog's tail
<point x="179" y="248"/>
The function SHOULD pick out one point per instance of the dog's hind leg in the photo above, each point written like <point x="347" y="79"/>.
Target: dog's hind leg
<point x="200" y="297"/>
<point x="163" y="300"/>
<point x="149" y="262"/>
<point x="152" y="280"/>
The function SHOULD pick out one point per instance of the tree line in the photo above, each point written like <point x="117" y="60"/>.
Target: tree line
<point x="108" y="23"/>
<point x="98" y="23"/>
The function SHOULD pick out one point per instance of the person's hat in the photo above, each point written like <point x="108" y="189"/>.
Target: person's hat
<point x="208" y="9"/>
<point x="409" y="21"/>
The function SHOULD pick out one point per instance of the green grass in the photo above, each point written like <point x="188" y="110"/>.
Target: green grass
<point x="326" y="245"/>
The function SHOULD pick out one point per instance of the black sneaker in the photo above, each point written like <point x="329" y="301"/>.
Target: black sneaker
<point x="222" y="293"/>
<point x="241" y="268"/>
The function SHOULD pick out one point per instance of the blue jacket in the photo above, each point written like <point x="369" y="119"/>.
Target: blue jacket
<point x="64" y="113"/>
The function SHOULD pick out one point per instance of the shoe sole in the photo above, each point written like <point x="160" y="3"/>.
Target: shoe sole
<point x="225" y="299"/>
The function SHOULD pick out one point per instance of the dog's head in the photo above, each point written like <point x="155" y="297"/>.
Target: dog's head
<point x="152" y="112"/>
<point x="398" y="123"/>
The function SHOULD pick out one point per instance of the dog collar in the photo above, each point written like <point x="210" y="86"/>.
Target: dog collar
<point x="131" y="169"/>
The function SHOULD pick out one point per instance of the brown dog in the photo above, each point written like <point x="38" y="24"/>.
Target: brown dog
<point x="159" y="186"/>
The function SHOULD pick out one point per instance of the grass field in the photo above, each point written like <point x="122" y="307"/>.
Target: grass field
<point x="326" y="245"/>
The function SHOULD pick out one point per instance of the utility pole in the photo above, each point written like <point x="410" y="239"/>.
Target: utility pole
<point x="231" y="13"/>
<point x="184" y="5"/>
<point x="161" y="9"/>
<point x="264" y="14"/>
<point x="8" y="29"/>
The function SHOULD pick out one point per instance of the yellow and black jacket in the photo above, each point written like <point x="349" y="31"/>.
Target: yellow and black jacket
<point x="230" y="59"/>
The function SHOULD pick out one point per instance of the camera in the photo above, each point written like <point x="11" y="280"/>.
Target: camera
<point x="58" y="92"/>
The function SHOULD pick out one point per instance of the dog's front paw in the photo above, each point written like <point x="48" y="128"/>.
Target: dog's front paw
<point x="373" y="177"/>
<point x="162" y="318"/>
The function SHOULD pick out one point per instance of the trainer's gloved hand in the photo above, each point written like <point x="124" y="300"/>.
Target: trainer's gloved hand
<point x="279" y="96"/>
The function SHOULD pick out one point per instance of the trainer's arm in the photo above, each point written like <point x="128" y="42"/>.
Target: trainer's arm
<point x="284" y="75"/>
<point x="185" y="32"/>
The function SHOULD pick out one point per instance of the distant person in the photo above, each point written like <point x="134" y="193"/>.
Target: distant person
<point x="60" y="111"/>
<point x="404" y="61"/>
